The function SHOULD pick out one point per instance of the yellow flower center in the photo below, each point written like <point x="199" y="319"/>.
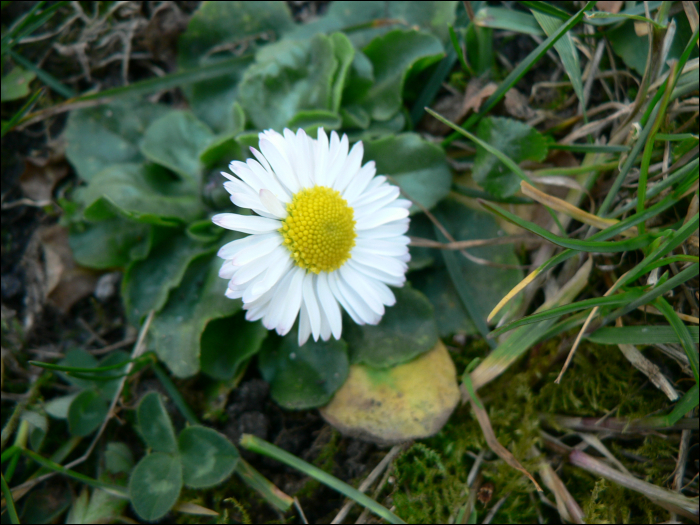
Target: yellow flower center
<point x="319" y="230"/>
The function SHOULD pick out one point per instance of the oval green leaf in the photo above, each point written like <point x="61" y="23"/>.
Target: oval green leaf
<point x="155" y="485"/>
<point x="86" y="412"/>
<point x="228" y="343"/>
<point x="155" y="425"/>
<point x="303" y="377"/>
<point x="207" y="456"/>
<point x="407" y="330"/>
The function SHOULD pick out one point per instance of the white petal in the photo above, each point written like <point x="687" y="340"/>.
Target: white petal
<point x="228" y="250"/>
<point x="351" y="172"/>
<point x="304" y="326"/>
<point x="227" y="270"/>
<point x="247" y="175"/>
<point x="246" y="223"/>
<point x="363" y="289"/>
<point x="385" y="231"/>
<point x="380" y="217"/>
<point x="337" y="158"/>
<point x="380" y="193"/>
<point x="236" y="185"/>
<point x="379" y="275"/>
<point x="371" y="207"/>
<point x="390" y="265"/>
<point x="305" y="159"/>
<point x="274" y="272"/>
<point x="359" y="181"/>
<point x="329" y="304"/>
<point x="321" y="166"/>
<point x="272" y="204"/>
<point x="335" y="290"/>
<point x="246" y="200"/>
<point x="360" y="307"/>
<point x="280" y="164"/>
<point x="325" y="328"/>
<point x="386" y="247"/>
<point x="311" y="304"/>
<point x="284" y="305"/>
<point x="261" y="249"/>
<point x="268" y="178"/>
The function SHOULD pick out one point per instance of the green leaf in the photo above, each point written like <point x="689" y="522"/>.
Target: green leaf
<point x="175" y="141"/>
<point x="359" y="19"/>
<point x="215" y="30"/>
<point x="359" y="79"/>
<point x="155" y="485"/>
<point x="108" y="389"/>
<point x="416" y="165"/>
<point x="155" y="425"/>
<point x="176" y="330"/>
<point x="287" y="77"/>
<point x="58" y="406"/>
<point x="303" y="377"/>
<point x="686" y="404"/>
<point x="450" y="314"/>
<point x="515" y="139"/>
<point x="87" y="412"/>
<point x="409" y="49"/>
<point x="479" y="287"/>
<point x="109" y="244"/>
<point x="118" y="458"/>
<point x="102" y="507"/>
<point x="407" y="330"/>
<point x="639" y="335"/>
<point x="15" y="84"/>
<point x="345" y="55"/>
<point x="565" y="49"/>
<point x="502" y="18"/>
<point x="143" y="193"/>
<point x="312" y="119"/>
<point x="228" y="343"/>
<point x="148" y="282"/>
<point x="634" y="49"/>
<point x="207" y="457"/>
<point x="100" y="137"/>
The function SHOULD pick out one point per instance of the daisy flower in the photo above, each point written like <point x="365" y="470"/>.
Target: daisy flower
<point x="327" y="233"/>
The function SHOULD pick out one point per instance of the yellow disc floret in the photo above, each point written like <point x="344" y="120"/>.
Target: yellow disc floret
<point x="319" y="230"/>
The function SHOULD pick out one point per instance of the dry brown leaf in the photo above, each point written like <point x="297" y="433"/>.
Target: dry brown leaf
<point x="609" y="7"/>
<point x="502" y="452"/>
<point x="475" y="95"/>
<point x="517" y="105"/>
<point x="66" y="282"/>
<point x="40" y="176"/>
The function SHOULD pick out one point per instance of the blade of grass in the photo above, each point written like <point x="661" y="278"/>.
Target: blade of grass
<point x="9" y="501"/>
<point x="634" y="243"/>
<point x="684" y="405"/>
<point x="507" y="19"/>
<point x="612" y="300"/>
<point x="567" y="52"/>
<point x="25" y="26"/>
<point x="602" y="15"/>
<point x="649" y="146"/>
<point x="521" y="70"/>
<point x="640" y="335"/>
<point x="459" y="52"/>
<point x="672" y="137"/>
<point x="566" y="208"/>
<point x="689" y="169"/>
<point x="589" y="148"/>
<point x="548" y="9"/>
<point x="523" y="338"/>
<point x="45" y="77"/>
<point x="116" y="490"/>
<point x="173" y="80"/>
<point x="658" y="291"/>
<point x="638" y="9"/>
<point x="260" y="446"/>
<point x="505" y="159"/>
<point x="480" y="194"/>
<point x="263" y="486"/>
<point x="10" y="124"/>
<point x="174" y="394"/>
<point x="50" y="366"/>
<point x="633" y="220"/>
<point x="683" y="333"/>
